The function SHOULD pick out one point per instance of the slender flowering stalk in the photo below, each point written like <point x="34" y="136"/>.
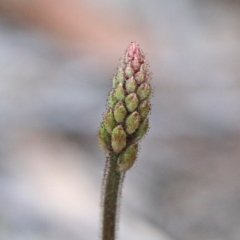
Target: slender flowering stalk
<point x="124" y="124"/>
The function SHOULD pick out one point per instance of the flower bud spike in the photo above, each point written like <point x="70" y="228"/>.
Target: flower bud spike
<point x="132" y="122"/>
<point x="127" y="158"/>
<point x="141" y="131"/>
<point x="118" y="139"/>
<point x="104" y="138"/>
<point x="119" y="92"/>
<point x="109" y="121"/>
<point x="131" y="102"/>
<point x="144" y="109"/>
<point x="143" y="91"/>
<point x="120" y="112"/>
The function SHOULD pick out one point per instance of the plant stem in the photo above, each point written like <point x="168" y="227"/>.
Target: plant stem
<point x="112" y="183"/>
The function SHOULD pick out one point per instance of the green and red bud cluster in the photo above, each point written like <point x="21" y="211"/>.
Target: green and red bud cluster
<point x="125" y="122"/>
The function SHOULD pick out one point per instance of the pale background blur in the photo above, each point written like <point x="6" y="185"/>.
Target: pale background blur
<point x="57" y="59"/>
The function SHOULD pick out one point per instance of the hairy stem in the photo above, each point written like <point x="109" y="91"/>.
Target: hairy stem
<point x="111" y="192"/>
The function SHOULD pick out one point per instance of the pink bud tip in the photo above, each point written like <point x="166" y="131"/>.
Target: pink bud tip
<point x="134" y="51"/>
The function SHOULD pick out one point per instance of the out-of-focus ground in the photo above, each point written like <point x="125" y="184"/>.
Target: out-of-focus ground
<point x="56" y="62"/>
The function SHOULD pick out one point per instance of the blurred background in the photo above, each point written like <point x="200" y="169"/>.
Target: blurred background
<point x="57" y="59"/>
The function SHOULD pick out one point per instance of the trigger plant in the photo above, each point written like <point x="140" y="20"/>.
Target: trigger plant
<point x="124" y="124"/>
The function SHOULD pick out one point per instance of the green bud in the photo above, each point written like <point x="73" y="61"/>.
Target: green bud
<point x="127" y="158"/>
<point x="114" y="82"/>
<point x="104" y="138"/>
<point x="143" y="91"/>
<point x="119" y="92"/>
<point x="131" y="102"/>
<point x="120" y="75"/>
<point x="118" y="139"/>
<point x="132" y="122"/>
<point x="129" y="71"/>
<point x="131" y="85"/>
<point x="139" y="77"/>
<point x="112" y="99"/>
<point x="109" y="121"/>
<point x="144" y="109"/>
<point x="141" y="131"/>
<point x="122" y="62"/>
<point x="120" y="112"/>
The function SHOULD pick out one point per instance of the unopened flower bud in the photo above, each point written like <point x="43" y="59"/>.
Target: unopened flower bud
<point x="144" y="67"/>
<point x="120" y="75"/>
<point x="131" y="50"/>
<point x="148" y="77"/>
<point x="126" y="59"/>
<point x="109" y="121"/>
<point x="139" y="77"/>
<point x="131" y="85"/>
<point x="118" y="139"/>
<point x="127" y="158"/>
<point x="144" y="109"/>
<point x="119" y="92"/>
<point x="143" y="91"/>
<point x="104" y="138"/>
<point x="120" y="112"/>
<point x="141" y="131"/>
<point x="112" y="99"/>
<point x="135" y="64"/>
<point x="114" y="82"/>
<point x="129" y="71"/>
<point x="131" y="102"/>
<point x="122" y="63"/>
<point x="132" y="122"/>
